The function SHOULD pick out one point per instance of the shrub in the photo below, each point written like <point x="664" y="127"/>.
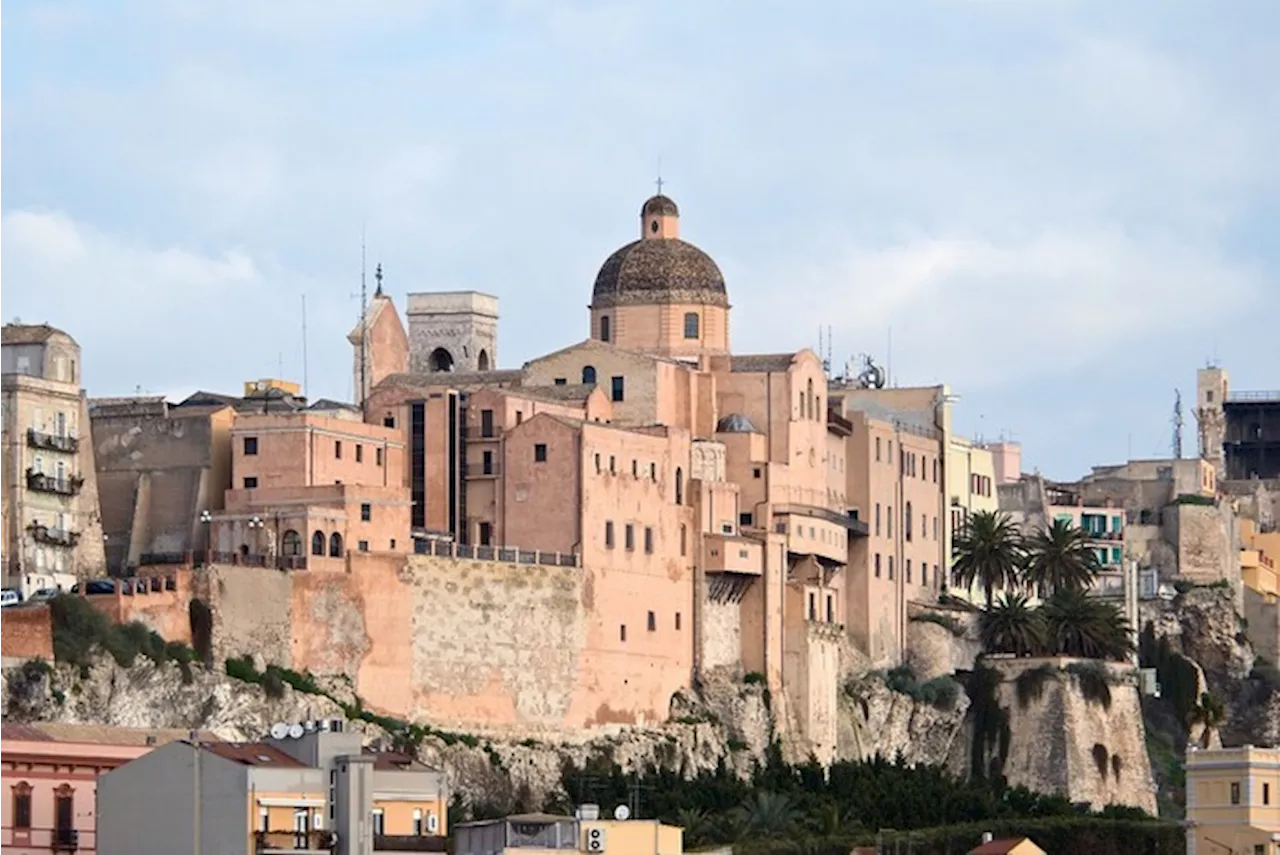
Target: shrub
<point x="752" y="678"/>
<point x="941" y="692"/>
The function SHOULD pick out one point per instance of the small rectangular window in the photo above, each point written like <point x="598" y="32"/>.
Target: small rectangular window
<point x="629" y="537"/>
<point x="377" y="456"/>
<point x="337" y="449"/>
<point x="389" y="421"/>
<point x="622" y="632"/>
<point x="22" y="809"/>
<point x="366" y="512"/>
<point x="540" y="453"/>
<point x="677" y="621"/>
<point x="1235" y="792"/>
<point x="486" y="533"/>
<point x="907" y="570"/>
<point x="251" y="482"/>
<point x="653" y="622"/>
<point x="831" y="609"/>
<point x="486" y="463"/>
<point x="1266" y="793"/>
<point x="745" y="519"/>
<point x="635" y="468"/>
<point x="608" y="534"/>
<point x="755" y="473"/>
<point x="877" y="449"/>
<point x="560" y="381"/>
<point x="597" y="464"/>
<point x="891" y="568"/>
<point x="619" y="389"/>
<point x="250" y="446"/>
<point x="813" y="606"/>
<point x="363" y="545"/>
<point x="684" y="534"/>
<point x="648" y="540"/>
<point x="877" y="563"/>
<point x="359" y="453"/>
<point x="486" y="424"/>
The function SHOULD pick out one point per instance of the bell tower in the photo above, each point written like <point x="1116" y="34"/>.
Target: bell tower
<point x="1211" y="395"/>
<point x="452" y="331"/>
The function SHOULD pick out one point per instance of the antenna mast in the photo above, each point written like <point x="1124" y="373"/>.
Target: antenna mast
<point x="364" y="327"/>
<point x="1177" y="424"/>
<point x="304" y="346"/>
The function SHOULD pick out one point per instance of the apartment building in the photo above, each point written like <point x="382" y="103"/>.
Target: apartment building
<point x="1232" y="800"/>
<point x="586" y="832"/>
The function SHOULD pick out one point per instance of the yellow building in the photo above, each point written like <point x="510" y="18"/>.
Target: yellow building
<point x="520" y="834"/>
<point x="971" y="484"/>
<point x="1233" y="801"/>
<point x="307" y="790"/>
<point x="1259" y="552"/>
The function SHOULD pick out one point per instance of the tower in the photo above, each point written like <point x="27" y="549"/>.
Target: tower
<point x="379" y="346"/>
<point x="1211" y="394"/>
<point x="452" y="331"/>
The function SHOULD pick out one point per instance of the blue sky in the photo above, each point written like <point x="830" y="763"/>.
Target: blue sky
<point x="1060" y="209"/>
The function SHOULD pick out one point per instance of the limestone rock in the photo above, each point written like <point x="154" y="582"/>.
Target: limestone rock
<point x="877" y="721"/>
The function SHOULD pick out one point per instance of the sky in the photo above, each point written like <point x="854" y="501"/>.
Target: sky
<point x="1060" y="209"/>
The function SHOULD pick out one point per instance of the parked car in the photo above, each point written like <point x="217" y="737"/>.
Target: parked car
<point x="43" y="594"/>
<point x="9" y="597"/>
<point x="97" y="586"/>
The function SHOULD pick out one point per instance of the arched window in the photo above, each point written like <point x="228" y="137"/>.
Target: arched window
<point x="22" y="805"/>
<point x="441" y="360"/>
<point x="605" y="331"/>
<point x="813" y="412"/>
<point x="317" y="543"/>
<point x="482" y="362"/>
<point x="335" y="545"/>
<point x="589" y="375"/>
<point x="291" y="543"/>
<point x="244" y="550"/>
<point x="679" y="486"/>
<point x="691" y="325"/>
<point x="906" y="522"/>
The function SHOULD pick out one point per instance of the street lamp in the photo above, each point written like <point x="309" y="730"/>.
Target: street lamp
<point x="206" y="520"/>
<point x="255" y="523"/>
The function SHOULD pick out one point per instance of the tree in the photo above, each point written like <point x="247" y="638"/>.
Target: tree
<point x="1210" y="712"/>
<point x="988" y="551"/>
<point x="1077" y="624"/>
<point x="765" y="814"/>
<point x="1060" y="558"/>
<point x="1011" y="626"/>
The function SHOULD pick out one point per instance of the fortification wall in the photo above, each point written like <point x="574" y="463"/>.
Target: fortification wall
<point x="160" y="602"/>
<point x="721" y="635"/>
<point x="27" y="633"/>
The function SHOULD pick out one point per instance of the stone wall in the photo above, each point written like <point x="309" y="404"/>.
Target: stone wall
<point x="159" y="602"/>
<point x="28" y="633"/>
<point x="252" y="612"/>
<point x="1204" y="538"/>
<point x="1262" y="616"/>
<point x="721" y="635"/>
<point x="1064" y="740"/>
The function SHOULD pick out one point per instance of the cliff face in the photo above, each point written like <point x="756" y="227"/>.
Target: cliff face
<point x="1075" y="727"/>
<point x="920" y="724"/>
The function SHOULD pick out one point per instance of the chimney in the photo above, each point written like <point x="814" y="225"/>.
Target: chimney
<point x="986" y="837"/>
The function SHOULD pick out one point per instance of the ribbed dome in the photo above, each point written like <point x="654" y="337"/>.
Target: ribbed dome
<point x="659" y="271"/>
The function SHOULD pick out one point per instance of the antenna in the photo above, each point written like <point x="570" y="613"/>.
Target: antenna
<point x="888" y="362"/>
<point x="304" y="345"/>
<point x="364" y="328"/>
<point x="1177" y="424"/>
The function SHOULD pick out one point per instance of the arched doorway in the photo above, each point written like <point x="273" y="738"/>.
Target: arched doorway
<point x="483" y="361"/>
<point x="441" y="360"/>
<point x="317" y="543"/>
<point x="291" y="543"/>
<point x="335" y="545"/>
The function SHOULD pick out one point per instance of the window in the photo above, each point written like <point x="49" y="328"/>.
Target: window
<point x="906" y="527"/>
<point x="679" y="486"/>
<point x="1266" y="793"/>
<point x="337" y="449"/>
<point x="540" y="452"/>
<point x="755" y="473"/>
<point x="317" y="543"/>
<point x="379" y="827"/>
<point x="653" y="622"/>
<point x="889" y="520"/>
<point x="486" y="533"/>
<point x="746" y="519"/>
<point x="677" y="621"/>
<point x="619" y="389"/>
<point x="691" y="325"/>
<point x="250" y="446"/>
<point x="622" y="632"/>
<point x="417" y="822"/>
<point x="877" y="562"/>
<point x="251" y="482"/>
<point x="935" y="528"/>
<point x="608" y="534"/>
<point x="589" y="376"/>
<point x="648" y="540"/>
<point x="377" y="456"/>
<point x="291" y="543"/>
<point x="64" y="814"/>
<point x="605" y="331"/>
<point x="891" y="568"/>
<point x="362" y="545"/>
<point x="635" y="468"/>
<point x="877" y="449"/>
<point x="486" y="463"/>
<point x="906" y="569"/>
<point x="629" y="537"/>
<point x="560" y="381"/>
<point x="877" y="519"/>
<point x="684" y="534"/>
<point x="1235" y="792"/>
<point x="393" y="544"/>
<point x="335" y="545"/>
<point x="366" y="512"/>
<point x="813" y="607"/>
<point x="613" y="465"/>
<point x="653" y="472"/>
<point x="22" y="805"/>
<point x="597" y="464"/>
<point x="519" y="417"/>
<point x="486" y="423"/>
<point x="359" y="453"/>
<point x="831" y="609"/>
<point x="389" y="421"/>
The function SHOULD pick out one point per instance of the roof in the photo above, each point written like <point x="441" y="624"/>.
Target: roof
<point x="659" y="270"/>
<point x="762" y="363"/>
<point x="563" y="392"/>
<point x="18" y="333"/>
<point x="22" y="732"/>
<point x="999" y="847"/>
<point x="397" y="761"/>
<point x="96" y="734"/>
<point x="330" y="404"/>
<point x="452" y="379"/>
<point x="661" y="205"/>
<point x="253" y="754"/>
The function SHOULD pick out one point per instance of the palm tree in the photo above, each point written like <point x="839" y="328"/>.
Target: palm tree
<point x="1059" y="558"/>
<point x="1011" y="626"/>
<point x="987" y="551"/>
<point x="1210" y="712"/>
<point x="765" y="814"/>
<point x="1079" y="625"/>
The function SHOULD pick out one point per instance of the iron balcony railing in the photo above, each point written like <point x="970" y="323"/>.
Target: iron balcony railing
<point x="481" y="470"/>
<point x="481" y="432"/>
<point x="52" y="441"/>
<point x="66" y="486"/>
<point x="273" y="842"/>
<point x="65" y="840"/>
<point x="277" y="562"/>
<point x="53" y="536"/>
<point x="505" y="554"/>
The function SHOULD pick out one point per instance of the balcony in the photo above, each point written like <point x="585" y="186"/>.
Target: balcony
<point x="65" y="840"/>
<point x="480" y="470"/>
<point x="293" y="842"/>
<point x="52" y="442"/>
<point x="477" y="432"/>
<point x="409" y="843"/>
<point x="53" y="536"/>
<point x="43" y="483"/>
<point x="275" y="562"/>
<point x="728" y="554"/>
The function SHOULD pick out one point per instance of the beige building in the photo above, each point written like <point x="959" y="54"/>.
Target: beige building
<point x="972" y="479"/>
<point x="1232" y="800"/>
<point x="585" y="832"/>
<point x="52" y="525"/>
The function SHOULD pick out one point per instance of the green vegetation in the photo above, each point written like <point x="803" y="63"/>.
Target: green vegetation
<point x="1069" y="623"/>
<point x="1060" y="558"/>
<point x="945" y="621"/>
<point x="80" y="632"/>
<point x="1178" y="676"/>
<point x="989" y="553"/>
<point x="990" y="747"/>
<point x="1094" y="680"/>
<point x="802" y="810"/>
<point x="941" y="692"/>
<point x="752" y="678"/>
<point x="1194" y="499"/>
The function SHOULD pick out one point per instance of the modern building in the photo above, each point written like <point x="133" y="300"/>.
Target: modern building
<point x="52" y="527"/>
<point x="1239" y="431"/>
<point x="317" y="793"/>
<point x="1232" y="800"/>
<point x="515" y="835"/>
<point x="972" y="481"/>
<point x="51" y="773"/>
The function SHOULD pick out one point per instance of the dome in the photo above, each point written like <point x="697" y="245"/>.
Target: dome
<point x="662" y="206"/>
<point x="735" y="423"/>
<point x="659" y="271"/>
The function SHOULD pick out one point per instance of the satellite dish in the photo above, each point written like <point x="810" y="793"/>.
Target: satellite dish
<point x="311" y="726"/>
<point x="279" y="730"/>
<point x="324" y="725"/>
<point x="622" y="812"/>
<point x="296" y="731"/>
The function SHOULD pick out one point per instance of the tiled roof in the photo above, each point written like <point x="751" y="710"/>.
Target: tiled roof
<point x="452" y="379"/>
<point x="106" y="734"/>
<point x="660" y="270"/>
<point x="22" y="732"/>
<point x="998" y="847"/>
<point x="29" y="333"/>
<point x="395" y="761"/>
<point x="761" y="363"/>
<point x="253" y="754"/>
<point x="564" y="392"/>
